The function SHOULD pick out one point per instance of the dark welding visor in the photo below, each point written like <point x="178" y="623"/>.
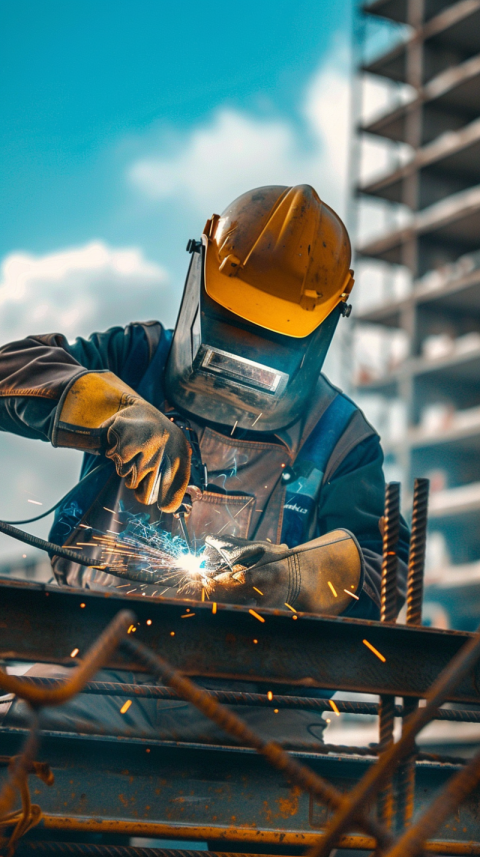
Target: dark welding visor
<point x="228" y="370"/>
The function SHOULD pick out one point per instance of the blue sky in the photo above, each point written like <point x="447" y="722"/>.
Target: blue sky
<point x="86" y="84"/>
<point x="124" y="125"/>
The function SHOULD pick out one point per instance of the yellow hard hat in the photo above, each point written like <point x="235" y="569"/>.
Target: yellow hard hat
<point x="278" y="257"/>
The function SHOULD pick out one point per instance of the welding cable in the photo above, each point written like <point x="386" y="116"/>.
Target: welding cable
<point x="138" y="575"/>
<point x="65" y="496"/>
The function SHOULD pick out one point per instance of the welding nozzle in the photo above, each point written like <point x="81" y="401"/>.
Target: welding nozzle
<point x="192" y="493"/>
<point x="180" y="515"/>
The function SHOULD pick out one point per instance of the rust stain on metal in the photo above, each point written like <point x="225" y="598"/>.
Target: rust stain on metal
<point x="288" y="806"/>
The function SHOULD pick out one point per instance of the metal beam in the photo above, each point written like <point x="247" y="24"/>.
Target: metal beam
<point x="46" y="623"/>
<point x="195" y="792"/>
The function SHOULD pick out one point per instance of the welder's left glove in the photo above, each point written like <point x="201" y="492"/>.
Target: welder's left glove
<point x="320" y="576"/>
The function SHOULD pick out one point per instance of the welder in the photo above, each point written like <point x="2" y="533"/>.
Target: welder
<point x="291" y="490"/>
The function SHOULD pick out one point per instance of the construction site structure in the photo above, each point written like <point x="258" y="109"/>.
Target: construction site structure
<point x="74" y="787"/>
<point x="429" y="193"/>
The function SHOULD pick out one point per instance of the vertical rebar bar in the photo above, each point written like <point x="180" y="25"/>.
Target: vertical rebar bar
<point x="391" y="530"/>
<point x="416" y="559"/>
<point x="416" y="568"/>
<point x="388" y="612"/>
<point x="451" y="796"/>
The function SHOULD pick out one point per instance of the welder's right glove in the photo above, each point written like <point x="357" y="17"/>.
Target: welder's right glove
<point x="100" y="413"/>
<point x="321" y="576"/>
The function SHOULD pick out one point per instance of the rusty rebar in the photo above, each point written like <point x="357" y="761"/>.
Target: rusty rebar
<point x="416" y="570"/>
<point x="406" y="773"/>
<point x="230" y="723"/>
<point x="36" y="697"/>
<point x="386" y="723"/>
<point x="388" y="612"/>
<point x="237" y="697"/>
<point x="391" y="532"/>
<point x="454" y="792"/>
<point x="416" y="559"/>
<point x="98" y="654"/>
<point x="20" y="769"/>
<point x="374" y="778"/>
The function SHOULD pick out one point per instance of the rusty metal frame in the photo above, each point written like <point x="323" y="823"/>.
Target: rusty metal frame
<point x="350" y="809"/>
<point x="120" y="645"/>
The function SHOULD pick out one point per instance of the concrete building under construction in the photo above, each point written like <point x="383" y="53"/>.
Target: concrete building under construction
<point x="430" y="195"/>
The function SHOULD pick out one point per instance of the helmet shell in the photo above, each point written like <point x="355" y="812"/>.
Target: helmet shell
<point x="278" y="257"/>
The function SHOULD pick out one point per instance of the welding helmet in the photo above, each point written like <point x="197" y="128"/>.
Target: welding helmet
<point x="264" y="291"/>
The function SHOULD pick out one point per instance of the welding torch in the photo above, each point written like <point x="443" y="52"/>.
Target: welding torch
<point x="197" y="485"/>
<point x="182" y="512"/>
<point x="198" y="477"/>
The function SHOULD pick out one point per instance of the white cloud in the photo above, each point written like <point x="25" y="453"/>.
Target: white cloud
<point x="74" y="291"/>
<point x="233" y="150"/>
<point x="77" y="290"/>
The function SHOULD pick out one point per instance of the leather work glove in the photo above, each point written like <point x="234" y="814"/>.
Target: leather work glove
<point x="317" y="577"/>
<point x="99" y="413"/>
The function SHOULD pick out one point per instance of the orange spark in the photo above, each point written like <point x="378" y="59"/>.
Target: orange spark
<point x="332" y="588"/>
<point x="82" y="604"/>
<point x="290" y="607"/>
<point x="270" y="695"/>
<point x="352" y="594"/>
<point x="374" y="650"/>
<point x="74" y="653"/>
<point x="258" y="590"/>
<point x="214" y="607"/>
<point x="126" y="705"/>
<point x="149" y="621"/>
<point x="334" y="707"/>
<point x="256" y="615"/>
<point x="187" y="615"/>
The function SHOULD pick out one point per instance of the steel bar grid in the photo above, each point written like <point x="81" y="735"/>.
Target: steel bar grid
<point x="388" y="761"/>
<point x="286" y="762"/>
<point x="457" y="789"/>
<point x="351" y="808"/>
<point x="120" y="626"/>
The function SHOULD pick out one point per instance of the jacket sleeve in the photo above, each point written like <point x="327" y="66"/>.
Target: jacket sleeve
<point x="354" y="498"/>
<point x="36" y="371"/>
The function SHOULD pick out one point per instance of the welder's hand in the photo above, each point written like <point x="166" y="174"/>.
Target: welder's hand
<point x="317" y="577"/>
<point x="150" y="453"/>
<point x="100" y="413"/>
